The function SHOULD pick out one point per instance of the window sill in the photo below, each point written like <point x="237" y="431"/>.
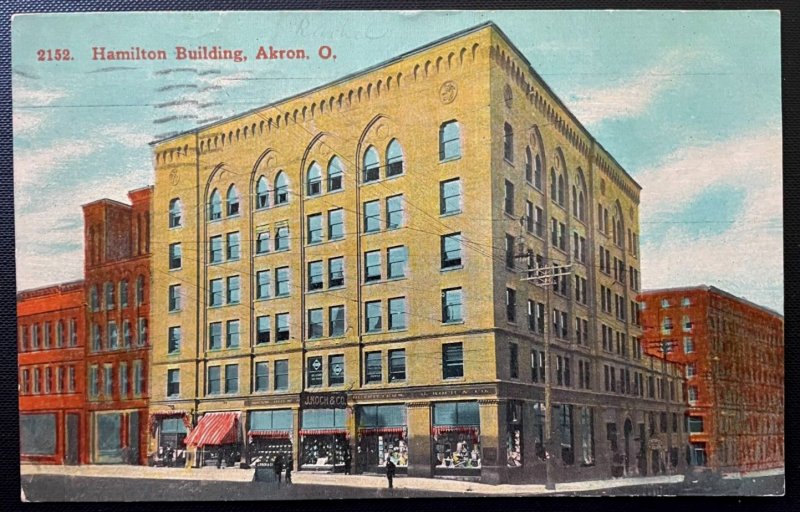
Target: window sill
<point x="509" y="162"/>
<point x="450" y="159"/>
<point x="372" y="333"/>
<point x="451" y="269"/>
<point x="450" y="214"/>
<point x="454" y="322"/>
<point x="453" y="379"/>
<point x="538" y="189"/>
<point x="171" y="270"/>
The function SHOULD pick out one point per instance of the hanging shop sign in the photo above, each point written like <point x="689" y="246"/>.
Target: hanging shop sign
<point x="336" y="400"/>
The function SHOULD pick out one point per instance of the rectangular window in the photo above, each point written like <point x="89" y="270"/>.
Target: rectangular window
<point x="215" y="297"/>
<point x="282" y="239"/>
<point x="688" y="345"/>
<point x="109" y="306"/>
<point x="123" y="294"/>
<point x="397" y="365"/>
<point x="48" y="380"/>
<point x="214" y="379"/>
<point x="394" y="212"/>
<point x="372" y="266"/>
<point x="174" y="342"/>
<point x="71" y="379"/>
<point x="60" y="379"/>
<point x="508" y="198"/>
<point x="282" y="282"/>
<point x="397" y="258"/>
<point x="234" y="251"/>
<point x="174" y="297"/>
<point x="281" y="375"/>
<point x="142" y="332"/>
<point x="695" y="424"/>
<point x="231" y="378"/>
<point x="262" y="242"/>
<point x="372" y="216"/>
<point x="232" y="334"/>
<point x="397" y="313"/>
<point x="562" y="236"/>
<point x="336" y="370"/>
<point x="97" y="341"/>
<point x="215" y="336"/>
<point x="511" y="305"/>
<point x="314" y="371"/>
<point x="335" y="272"/>
<point x="451" y="250"/>
<point x="314" y="228"/>
<point x="263" y="284"/>
<point x="510" y="252"/>
<point x="263" y="329"/>
<point x="691" y="370"/>
<point x="174" y="256"/>
<point x="539" y="222"/>
<point x="94" y="383"/>
<point x="451" y="305"/>
<point x="261" y="382"/>
<point x="108" y="381"/>
<point x="336" y="321"/>
<point x="336" y="224"/>
<point x="113" y="336"/>
<point x="282" y="327"/>
<point x="373" y="368"/>
<point x="450" y="197"/>
<point x="315" y="276"/>
<point x="452" y="360"/>
<point x="449" y="141"/>
<point x="234" y="289"/>
<point x="315" y="323"/>
<point x="373" y="316"/>
<point x="691" y="393"/>
<point x="73" y="332"/>
<point x="529" y="216"/>
<point x="513" y="358"/>
<point x="553" y="232"/>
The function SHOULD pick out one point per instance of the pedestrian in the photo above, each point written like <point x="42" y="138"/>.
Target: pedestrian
<point x="289" y="464"/>
<point x="347" y="462"/>
<point x="390" y="467"/>
<point x="278" y="467"/>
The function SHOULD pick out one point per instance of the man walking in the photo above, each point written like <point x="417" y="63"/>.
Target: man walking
<point x="278" y="467"/>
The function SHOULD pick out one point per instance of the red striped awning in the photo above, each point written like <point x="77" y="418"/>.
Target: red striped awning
<point x="214" y="428"/>
<point x="323" y="431"/>
<point x="367" y="431"/>
<point x="461" y="429"/>
<point x="271" y="434"/>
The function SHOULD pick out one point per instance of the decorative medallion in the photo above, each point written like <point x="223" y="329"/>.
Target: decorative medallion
<point x="448" y="92"/>
<point x="508" y="95"/>
<point x="174" y="177"/>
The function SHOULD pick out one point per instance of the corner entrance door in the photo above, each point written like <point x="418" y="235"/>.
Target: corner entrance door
<point x="72" y="431"/>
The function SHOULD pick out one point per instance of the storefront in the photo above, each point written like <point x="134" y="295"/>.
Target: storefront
<point x="217" y="440"/>
<point x="514" y="434"/>
<point x="324" y="441"/>
<point x="269" y="435"/>
<point x="456" y="438"/>
<point x="38" y="436"/>
<point x="382" y="435"/>
<point x="115" y="437"/>
<point x="170" y="430"/>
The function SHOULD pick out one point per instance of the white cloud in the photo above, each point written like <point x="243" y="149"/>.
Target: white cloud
<point x="27" y="122"/>
<point x="31" y="165"/>
<point x="27" y="97"/>
<point x="745" y="258"/>
<point x="628" y="98"/>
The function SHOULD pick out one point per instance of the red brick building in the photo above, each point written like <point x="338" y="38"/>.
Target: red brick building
<point x="52" y="383"/>
<point x="117" y="288"/>
<point x="732" y="350"/>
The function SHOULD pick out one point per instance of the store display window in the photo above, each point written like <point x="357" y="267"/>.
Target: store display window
<point x="514" y="434"/>
<point x="456" y="435"/>
<point x="382" y="436"/>
<point x="270" y="434"/>
<point x="323" y="439"/>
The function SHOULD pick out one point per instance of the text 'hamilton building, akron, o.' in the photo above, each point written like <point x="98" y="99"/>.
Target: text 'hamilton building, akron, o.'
<point x="343" y="276"/>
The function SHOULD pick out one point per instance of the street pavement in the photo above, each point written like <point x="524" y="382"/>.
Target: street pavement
<point x="82" y="483"/>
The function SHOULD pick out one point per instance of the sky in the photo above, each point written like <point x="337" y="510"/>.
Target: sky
<point x="689" y="103"/>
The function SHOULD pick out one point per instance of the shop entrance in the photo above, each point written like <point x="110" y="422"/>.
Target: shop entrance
<point x="382" y="436"/>
<point x="72" y="435"/>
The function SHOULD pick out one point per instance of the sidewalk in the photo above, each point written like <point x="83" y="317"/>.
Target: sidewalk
<point x="340" y="480"/>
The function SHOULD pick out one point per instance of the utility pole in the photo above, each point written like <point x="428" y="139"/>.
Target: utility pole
<point x="666" y="348"/>
<point x="544" y="277"/>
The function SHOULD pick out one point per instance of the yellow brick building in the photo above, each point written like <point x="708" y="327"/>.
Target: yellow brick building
<point x="341" y="271"/>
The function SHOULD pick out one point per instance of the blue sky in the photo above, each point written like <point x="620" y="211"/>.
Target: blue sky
<point x="688" y="102"/>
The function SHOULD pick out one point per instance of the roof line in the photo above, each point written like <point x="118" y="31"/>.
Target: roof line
<point x="713" y="289"/>
<point x="342" y="79"/>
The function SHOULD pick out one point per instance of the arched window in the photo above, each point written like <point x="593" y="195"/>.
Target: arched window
<point x="394" y="159"/>
<point x="537" y="171"/>
<point x="232" y="201"/>
<point x="553" y="186"/>
<point x="262" y="193"/>
<point x="449" y="140"/>
<point x="281" y="189"/>
<point x="372" y="166"/>
<point x="561" y="189"/>
<point x="215" y="206"/>
<point x="94" y="299"/>
<point x="528" y="165"/>
<point x="581" y="206"/>
<point x="335" y="173"/>
<point x="314" y="180"/>
<point x="508" y="142"/>
<point x="140" y="290"/>
<point x="574" y="200"/>
<point x="175" y="213"/>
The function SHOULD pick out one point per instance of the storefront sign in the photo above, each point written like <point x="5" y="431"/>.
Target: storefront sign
<point x="427" y="393"/>
<point x="323" y="400"/>
<point x="315" y="371"/>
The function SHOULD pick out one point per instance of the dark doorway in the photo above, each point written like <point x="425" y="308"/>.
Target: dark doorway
<point x="628" y="428"/>
<point x="72" y="436"/>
